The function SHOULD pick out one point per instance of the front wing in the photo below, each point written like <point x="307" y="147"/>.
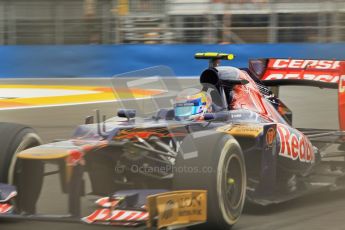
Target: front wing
<point x="7" y="195"/>
<point x="153" y="208"/>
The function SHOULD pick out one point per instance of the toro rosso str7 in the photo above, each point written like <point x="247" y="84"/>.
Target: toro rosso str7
<point x="166" y="171"/>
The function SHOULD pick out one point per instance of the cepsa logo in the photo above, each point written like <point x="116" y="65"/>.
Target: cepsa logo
<point x="294" y="145"/>
<point x="313" y="70"/>
<point x="303" y="64"/>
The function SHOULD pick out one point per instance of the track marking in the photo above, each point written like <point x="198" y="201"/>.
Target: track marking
<point x="39" y="96"/>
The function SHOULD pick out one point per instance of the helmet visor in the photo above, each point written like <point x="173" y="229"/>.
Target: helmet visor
<point x="188" y="108"/>
<point x="184" y="111"/>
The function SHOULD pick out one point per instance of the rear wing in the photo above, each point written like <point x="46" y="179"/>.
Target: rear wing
<point x="318" y="73"/>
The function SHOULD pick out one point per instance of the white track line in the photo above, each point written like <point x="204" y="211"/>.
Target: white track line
<point x="86" y="78"/>
<point x="71" y="104"/>
<point x="14" y="92"/>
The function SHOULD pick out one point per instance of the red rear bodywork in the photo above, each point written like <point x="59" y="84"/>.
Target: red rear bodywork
<point x="321" y="73"/>
<point x="341" y="98"/>
<point x="249" y="97"/>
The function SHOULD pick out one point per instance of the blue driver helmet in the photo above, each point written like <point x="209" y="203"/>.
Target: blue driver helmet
<point x="191" y="104"/>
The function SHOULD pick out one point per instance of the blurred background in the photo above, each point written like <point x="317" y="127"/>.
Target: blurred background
<point x="49" y="22"/>
<point x="102" y="38"/>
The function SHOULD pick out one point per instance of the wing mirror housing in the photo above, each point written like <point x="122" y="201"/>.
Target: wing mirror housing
<point x="127" y="113"/>
<point x="231" y="83"/>
<point x="89" y="120"/>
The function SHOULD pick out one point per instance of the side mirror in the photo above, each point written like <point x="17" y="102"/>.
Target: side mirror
<point x="209" y="116"/>
<point x="231" y="83"/>
<point x="166" y="114"/>
<point x="220" y="116"/>
<point x="127" y="113"/>
<point x="89" y="120"/>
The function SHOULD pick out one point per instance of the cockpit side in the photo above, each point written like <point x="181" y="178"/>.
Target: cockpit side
<point x="234" y="89"/>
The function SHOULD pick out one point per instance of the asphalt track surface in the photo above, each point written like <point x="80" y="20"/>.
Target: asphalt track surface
<point x="312" y="108"/>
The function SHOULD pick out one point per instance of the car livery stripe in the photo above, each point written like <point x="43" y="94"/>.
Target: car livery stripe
<point x="134" y="216"/>
<point x="124" y="216"/>
<point x="116" y="215"/>
<point x="131" y="216"/>
<point x="106" y="202"/>
<point x="106" y="215"/>
<point x="5" y="208"/>
<point x="99" y="214"/>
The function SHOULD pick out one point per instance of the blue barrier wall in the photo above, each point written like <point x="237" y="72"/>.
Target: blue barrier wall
<point x="107" y="60"/>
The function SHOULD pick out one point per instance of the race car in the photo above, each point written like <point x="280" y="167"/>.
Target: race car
<point x="196" y="161"/>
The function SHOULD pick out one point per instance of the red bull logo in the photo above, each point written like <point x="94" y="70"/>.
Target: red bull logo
<point x="294" y="145"/>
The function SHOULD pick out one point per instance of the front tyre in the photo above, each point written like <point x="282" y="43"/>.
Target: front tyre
<point x="14" y="138"/>
<point x="220" y="169"/>
<point x="231" y="182"/>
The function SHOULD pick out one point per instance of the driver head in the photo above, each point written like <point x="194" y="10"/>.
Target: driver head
<point x="192" y="104"/>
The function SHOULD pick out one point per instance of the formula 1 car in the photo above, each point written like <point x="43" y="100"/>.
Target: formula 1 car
<point x="166" y="172"/>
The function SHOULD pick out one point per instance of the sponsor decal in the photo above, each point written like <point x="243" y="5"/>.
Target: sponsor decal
<point x="242" y="130"/>
<point x="342" y="84"/>
<point x="177" y="208"/>
<point x="236" y="115"/>
<point x="143" y="133"/>
<point x="181" y="208"/>
<point x="270" y="136"/>
<point x="313" y="70"/>
<point x="302" y="76"/>
<point x="303" y="64"/>
<point x="294" y="145"/>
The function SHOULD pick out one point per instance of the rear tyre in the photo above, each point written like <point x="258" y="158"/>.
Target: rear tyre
<point x="219" y="168"/>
